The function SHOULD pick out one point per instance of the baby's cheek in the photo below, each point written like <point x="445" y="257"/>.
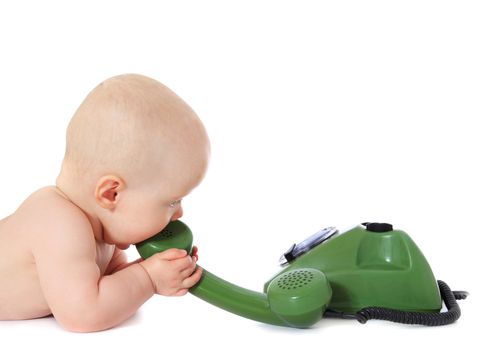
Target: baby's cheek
<point x="147" y="221"/>
<point x="152" y="227"/>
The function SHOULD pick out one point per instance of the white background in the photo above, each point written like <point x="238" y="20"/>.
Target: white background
<point x="319" y="113"/>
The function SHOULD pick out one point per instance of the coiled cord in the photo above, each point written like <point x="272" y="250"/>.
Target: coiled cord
<point x="423" y="318"/>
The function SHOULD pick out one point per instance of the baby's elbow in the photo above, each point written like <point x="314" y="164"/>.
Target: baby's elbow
<point x="85" y="322"/>
<point x="81" y="327"/>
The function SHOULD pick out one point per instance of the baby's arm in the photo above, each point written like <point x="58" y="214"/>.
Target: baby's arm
<point x="119" y="260"/>
<point x="79" y="298"/>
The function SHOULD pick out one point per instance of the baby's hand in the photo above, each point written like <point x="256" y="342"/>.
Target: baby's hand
<point x="172" y="272"/>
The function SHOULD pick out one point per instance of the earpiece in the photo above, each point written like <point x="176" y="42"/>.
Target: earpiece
<point x="299" y="297"/>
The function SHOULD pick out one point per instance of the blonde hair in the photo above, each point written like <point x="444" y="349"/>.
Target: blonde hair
<point x="123" y="126"/>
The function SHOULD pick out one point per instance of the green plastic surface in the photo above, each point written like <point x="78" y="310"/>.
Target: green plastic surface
<point x="349" y="271"/>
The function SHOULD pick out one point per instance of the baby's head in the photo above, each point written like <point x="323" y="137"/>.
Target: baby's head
<point x="134" y="149"/>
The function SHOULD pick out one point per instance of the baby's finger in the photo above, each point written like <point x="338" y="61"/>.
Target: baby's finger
<point x="194" y="251"/>
<point x="181" y="292"/>
<point x="172" y="254"/>
<point x="183" y="263"/>
<point x="193" y="279"/>
<point x="189" y="270"/>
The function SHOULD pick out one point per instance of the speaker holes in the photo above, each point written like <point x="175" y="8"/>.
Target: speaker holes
<point x="165" y="234"/>
<point x="295" y="279"/>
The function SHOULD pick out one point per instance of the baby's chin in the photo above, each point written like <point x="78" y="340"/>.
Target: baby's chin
<point x="123" y="246"/>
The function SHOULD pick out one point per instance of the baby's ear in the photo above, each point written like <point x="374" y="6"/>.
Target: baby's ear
<point x="107" y="191"/>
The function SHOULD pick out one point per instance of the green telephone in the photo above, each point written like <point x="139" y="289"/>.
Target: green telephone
<point x="369" y="271"/>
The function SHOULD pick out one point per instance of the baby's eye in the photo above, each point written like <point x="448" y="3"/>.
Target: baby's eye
<point x="175" y="203"/>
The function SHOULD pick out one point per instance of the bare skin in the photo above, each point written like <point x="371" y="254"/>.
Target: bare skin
<point x="62" y="249"/>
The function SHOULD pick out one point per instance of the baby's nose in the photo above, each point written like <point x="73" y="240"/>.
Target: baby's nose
<point x="178" y="214"/>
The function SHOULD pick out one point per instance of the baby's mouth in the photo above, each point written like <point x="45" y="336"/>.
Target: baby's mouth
<point x="123" y="246"/>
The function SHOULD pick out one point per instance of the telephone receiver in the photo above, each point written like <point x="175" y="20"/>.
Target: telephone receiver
<point x="370" y="271"/>
<point x="297" y="298"/>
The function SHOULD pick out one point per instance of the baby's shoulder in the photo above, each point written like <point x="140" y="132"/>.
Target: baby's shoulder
<point x="47" y="192"/>
<point x="43" y="199"/>
<point x="49" y="207"/>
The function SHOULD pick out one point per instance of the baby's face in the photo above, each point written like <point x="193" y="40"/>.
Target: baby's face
<point x="146" y="208"/>
<point x="144" y="214"/>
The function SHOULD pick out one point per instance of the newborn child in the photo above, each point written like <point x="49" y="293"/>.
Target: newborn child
<point x="134" y="149"/>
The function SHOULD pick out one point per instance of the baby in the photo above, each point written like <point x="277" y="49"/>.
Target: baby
<point x="134" y="149"/>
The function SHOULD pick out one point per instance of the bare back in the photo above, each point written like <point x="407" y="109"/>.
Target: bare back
<point x="21" y="296"/>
